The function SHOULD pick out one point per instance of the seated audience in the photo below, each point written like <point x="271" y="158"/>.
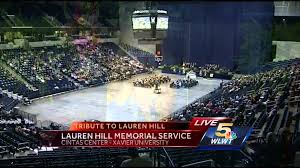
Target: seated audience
<point x="136" y="160"/>
<point x="151" y="81"/>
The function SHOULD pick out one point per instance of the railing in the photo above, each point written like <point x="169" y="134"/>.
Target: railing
<point x="200" y="163"/>
<point x="11" y="105"/>
<point x="203" y="98"/>
<point x="47" y="123"/>
<point x="247" y="156"/>
<point x="28" y="116"/>
<point x="169" y="161"/>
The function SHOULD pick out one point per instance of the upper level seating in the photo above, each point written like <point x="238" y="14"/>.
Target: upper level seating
<point x="107" y="62"/>
<point x="11" y="84"/>
<point x="58" y="14"/>
<point x="57" y="69"/>
<point x="3" y="22"/>
<point x="32" y="16"/>
<point x="78" y="66"/>
<point x="37" y="72"/>
<point x="115" y="48"/>
<point x="279" y="64"/>
<point x="92" y="65"/>
<point x="136" y="51"/>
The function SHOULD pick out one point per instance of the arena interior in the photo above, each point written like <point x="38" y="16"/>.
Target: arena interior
<point x="65" y="61"/>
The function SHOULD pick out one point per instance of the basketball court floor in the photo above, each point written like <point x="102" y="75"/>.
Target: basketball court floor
<point x="118" y="101"/>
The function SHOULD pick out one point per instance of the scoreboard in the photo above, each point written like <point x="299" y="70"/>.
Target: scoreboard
<point x="141" y="23"/>
<point x="150" y="24"/>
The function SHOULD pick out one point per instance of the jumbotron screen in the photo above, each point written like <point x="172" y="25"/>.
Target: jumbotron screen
<point x="149" y="25"/>
<point x="162" y="23"/>
<point x="141" y="23"/>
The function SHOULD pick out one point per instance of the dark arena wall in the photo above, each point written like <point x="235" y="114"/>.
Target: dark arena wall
<point x="215" y="32"/>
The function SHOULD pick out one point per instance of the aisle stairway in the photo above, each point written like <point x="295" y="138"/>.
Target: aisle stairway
<point x="66" y="76"/>
<point x="5" y="18"/>
<point x="15" y="75"/>
<point x="183" y="156"/>
<point x="128" y="53"/>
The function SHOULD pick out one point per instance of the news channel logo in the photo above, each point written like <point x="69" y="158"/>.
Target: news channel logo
<point x="225" y="137"/>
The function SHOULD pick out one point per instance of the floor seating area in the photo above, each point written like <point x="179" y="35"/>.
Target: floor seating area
<point x="205" y="71"/>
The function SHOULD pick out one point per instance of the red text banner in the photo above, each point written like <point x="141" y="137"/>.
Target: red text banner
<point x="88" y="126"/>
<point x="136" y="134"/>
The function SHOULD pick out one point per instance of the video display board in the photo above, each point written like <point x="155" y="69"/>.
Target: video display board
<point x="162" y="23"/>
<point x="141" y="23"/>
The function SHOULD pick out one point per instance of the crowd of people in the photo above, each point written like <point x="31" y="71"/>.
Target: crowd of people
<point x="254" y="100"/>
<point x="145" y="57"/>
<point x="152" y="81"/>
<point x="234" y="99"/>
<point x="98" y="62"/>
<point x="186" y="83"/>
<point x="57" y="69"/>
<point x="250" y="100"/>
<point x="17" y="133"/>
<point x="206" y="71"/>
<point x="61" y="68"/>
<point x="209" y="70"/>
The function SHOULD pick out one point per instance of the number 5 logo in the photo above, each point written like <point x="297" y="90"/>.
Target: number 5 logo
<point x="223" y="127"/>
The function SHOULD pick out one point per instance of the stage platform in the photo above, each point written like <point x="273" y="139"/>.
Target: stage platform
<point x="118" y="101"/>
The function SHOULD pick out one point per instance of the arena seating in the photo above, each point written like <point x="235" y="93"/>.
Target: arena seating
<point x="12" y="20"/>
<point x="16" y="134"/>
<point x="115" y="48"/>
<point x="7" y="103"/>
<point x="186" y="156"/>
<point x="3" y="22"/>
<point x="267" y="101"/>
<point x="34" y="17"/>
<point x="206" y="71"/>
<point x="100" y="64"/>
<point x="145" y="57"/>
<point x="58" y="69"/>
<point x="279" y="64"/>
<point x="83" y="157"/>
<point x="47" y="9"/>
<point x="37" y="72"/>
<point x="257" y="100"/>
<point x="11" y="84"/>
